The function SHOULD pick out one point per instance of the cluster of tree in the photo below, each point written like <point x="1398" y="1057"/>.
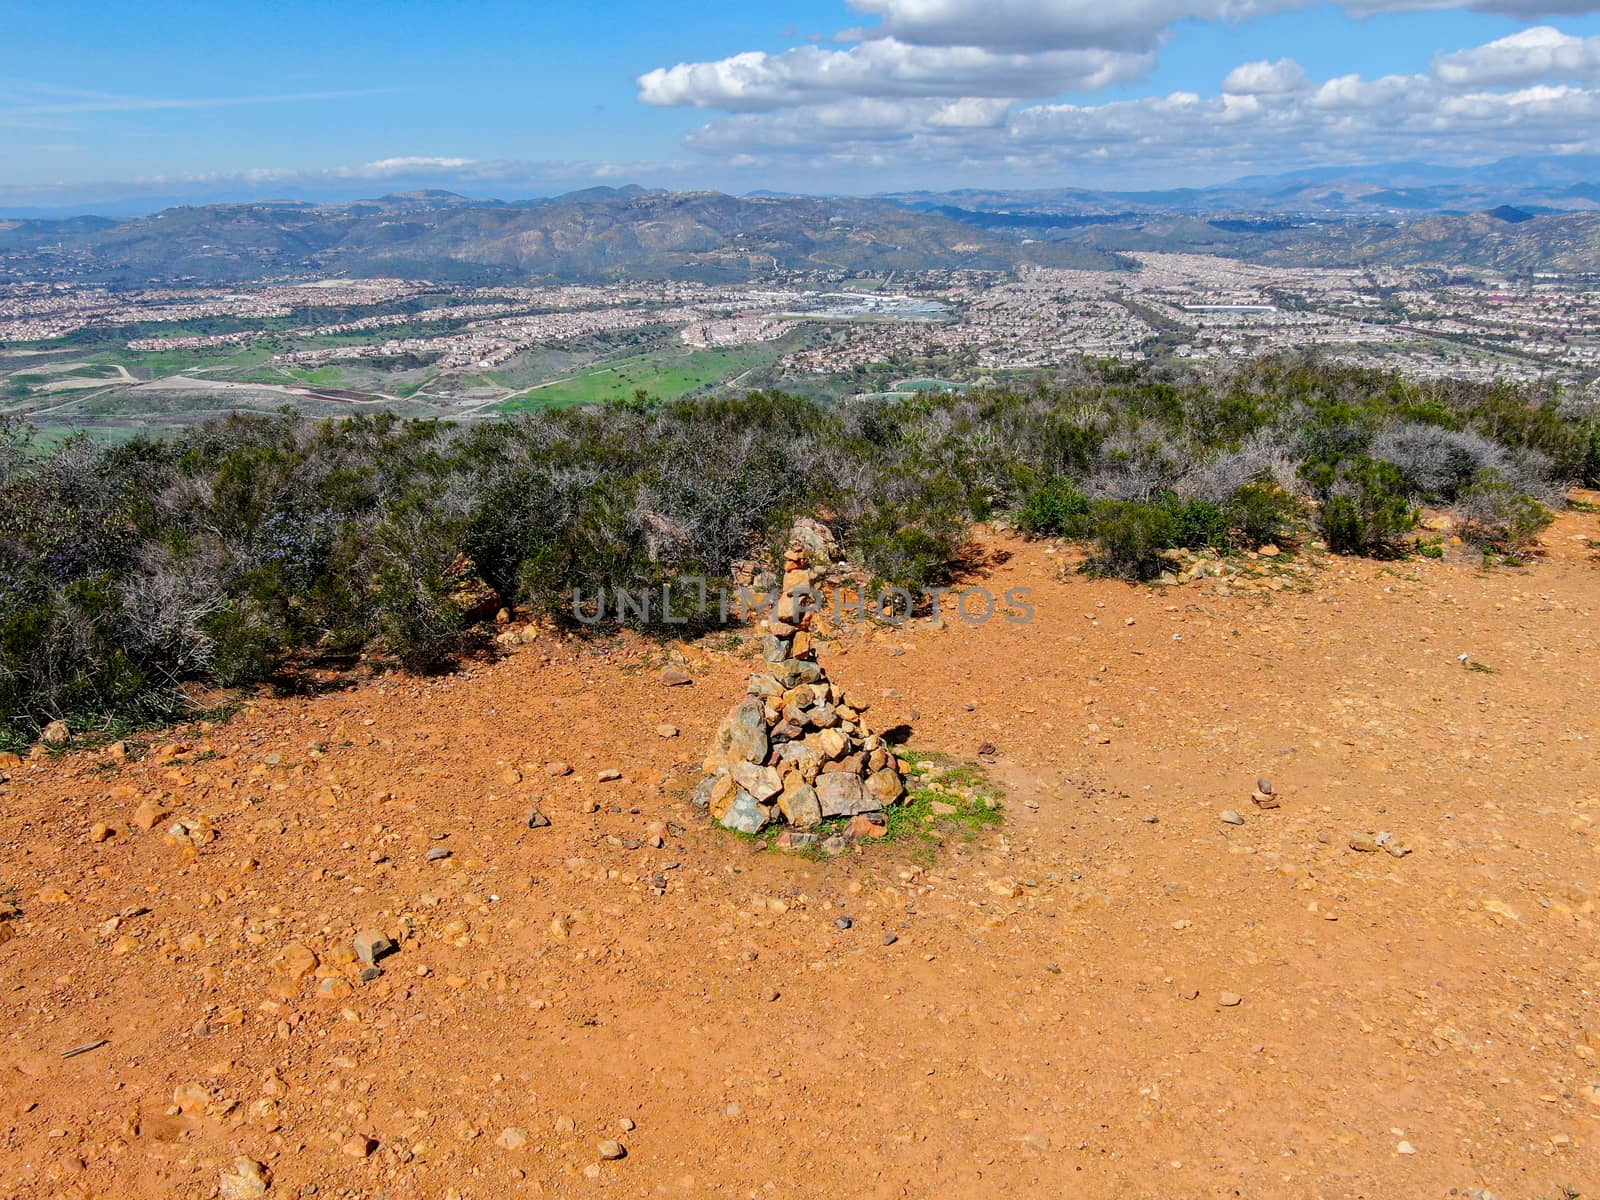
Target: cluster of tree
<point x="240" y="547"/>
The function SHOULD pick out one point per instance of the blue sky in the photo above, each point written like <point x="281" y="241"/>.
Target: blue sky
<point x="100" y="101"/>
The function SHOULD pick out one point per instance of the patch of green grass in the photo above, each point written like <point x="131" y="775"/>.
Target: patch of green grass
<point x="944" y="799"/>
<point x="666" y="374"/>
<point x="90" y="733"/>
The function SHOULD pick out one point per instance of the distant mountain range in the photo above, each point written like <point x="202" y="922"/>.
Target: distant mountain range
<point x="1535" y="184"/>
<point x="1538" y="220"/>
<point x="597" y="234"/>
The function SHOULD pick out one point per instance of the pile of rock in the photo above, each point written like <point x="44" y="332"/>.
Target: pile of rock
<point x="797" y="748"/>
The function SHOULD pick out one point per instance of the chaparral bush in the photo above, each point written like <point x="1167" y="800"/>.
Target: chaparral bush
<point x="235" y="550"/>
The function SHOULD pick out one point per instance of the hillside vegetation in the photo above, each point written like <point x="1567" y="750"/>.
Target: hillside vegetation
<point x="248" y="545"/>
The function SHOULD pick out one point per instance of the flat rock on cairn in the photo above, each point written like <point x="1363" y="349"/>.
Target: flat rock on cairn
<point x="796" y="749"/>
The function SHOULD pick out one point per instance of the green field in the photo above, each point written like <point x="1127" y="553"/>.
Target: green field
<point x="667" y="374"/>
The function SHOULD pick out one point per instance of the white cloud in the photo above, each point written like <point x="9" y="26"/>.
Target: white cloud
<point x="414" y="162"/>
<point x="757" y="81"/>
<point x="1528" y="56"/>
<point x="1031" y="25"/>
<point x="1265" y="78"/>
<point x="1156" y="139"/>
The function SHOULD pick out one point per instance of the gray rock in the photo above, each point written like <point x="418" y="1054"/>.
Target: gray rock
<point x="702" y="792"/>
<point x="746" y="814"/>
<point x="742" y="737"/>
<point x="765" y="686"/>
<point x="437" y="854"/>
<point x="1264" y="786"/>
<point x="843" y="795"/>
<point x="761" y="782"/>
<point x="801" y="808"/>
<point x="823" y="716"/>
<point x="537" y="820"/>
<point x="792" y="672"/>
<point x="372" y="945"/>
<point x="1230" y="817"/>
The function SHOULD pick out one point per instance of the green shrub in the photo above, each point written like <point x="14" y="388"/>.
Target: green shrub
<point x="1055" y="508"/>
<point x="1365" y="510"/>
<point x="1261" y="513"/>
<point x="1497" y="517"/>
<point x="1129" y="536"/>
<point x="1197" y="524"/>
<point x="243" y="546"/>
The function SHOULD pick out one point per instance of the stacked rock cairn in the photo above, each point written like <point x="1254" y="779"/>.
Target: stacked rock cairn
<point x="797" y="748"/>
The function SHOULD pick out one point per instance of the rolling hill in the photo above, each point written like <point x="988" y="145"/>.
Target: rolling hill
<point x="596" y="235"/>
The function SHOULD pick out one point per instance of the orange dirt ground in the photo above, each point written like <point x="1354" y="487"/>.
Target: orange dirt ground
<point x="1423" y="1026"/>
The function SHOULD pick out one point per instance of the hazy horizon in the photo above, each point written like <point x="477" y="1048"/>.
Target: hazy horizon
<point x="101" y="107"/>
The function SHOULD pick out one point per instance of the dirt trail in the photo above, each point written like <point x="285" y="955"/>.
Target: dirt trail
<point x="1406" y="1026"/>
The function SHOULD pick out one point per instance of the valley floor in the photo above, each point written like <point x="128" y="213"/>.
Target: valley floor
<point x="1035" y="1013"/>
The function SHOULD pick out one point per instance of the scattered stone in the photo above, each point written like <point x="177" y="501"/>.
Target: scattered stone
<point x="627" y="1124"/>
<point x="1264" y="786"/>
<point x="843" y="923"/>
<point x="537" y="820"/>
<point x="1231" y="817"/>
<point x="868" y="825"/>
<point x="890" y="939"/>
<point x="557" y="770"/>
<point x="611" y="1150"/>
<point x="512" y="1138"/>
<point x="360" y="1146"/>
<point x="794" y="839"/>
<point x="1230" y="999"/>
<point x="566" y="1125"/>
<point x="438" y="854"/>
<point x="674" y="677"/>
<point x="1007" y="889"/>
<point x="1364" y="845"/>
<point x="371" y="945"/>
<point x="56" y="734"/>
<point x="1264" y="799"/>
<point x="245" y="1181"/>
<point x="100" y="832"/>
<point x="667" y="731"/>
<point x="294" y="962"/>
<point x="147" y="816"/>
<point x="608" y="776"/>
